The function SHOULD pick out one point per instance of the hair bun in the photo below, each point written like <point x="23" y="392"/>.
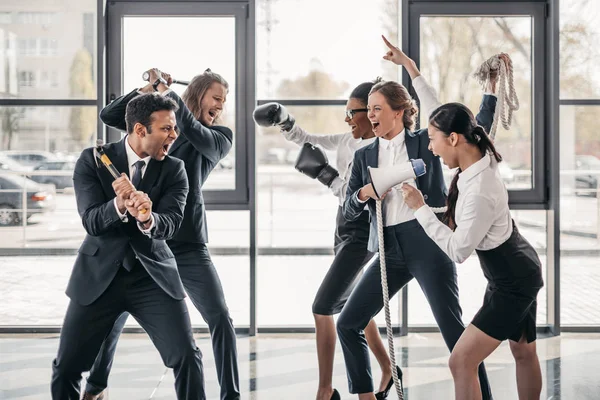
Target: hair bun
<point x="378" y="79"/>
<point x="413" y="108"/>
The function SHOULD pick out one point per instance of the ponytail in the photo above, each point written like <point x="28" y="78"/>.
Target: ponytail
<point x="483" y="142"/>
<point x="448" y="217"/>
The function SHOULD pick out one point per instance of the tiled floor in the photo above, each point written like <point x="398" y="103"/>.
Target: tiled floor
<point x="284" y="367"/>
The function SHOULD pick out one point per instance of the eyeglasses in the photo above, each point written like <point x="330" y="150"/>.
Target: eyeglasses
<point x="350" y="113"/>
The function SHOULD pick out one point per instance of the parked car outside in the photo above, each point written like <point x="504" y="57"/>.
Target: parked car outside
<point x="12" y="187"/>
<point x="586" y="181"/>
<point x="60" y="181"/>
<point x="30" y="158"/>
<point x="8" y="164"/>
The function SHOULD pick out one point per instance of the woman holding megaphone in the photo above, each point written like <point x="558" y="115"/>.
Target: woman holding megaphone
<point x="478" y="219"/>
<point x="409" y="252"/>
<point x="351" y="237"/>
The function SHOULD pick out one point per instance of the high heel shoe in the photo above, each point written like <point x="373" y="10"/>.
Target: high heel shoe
<point x="383" y="395"/>
<point x="335" y="395"/>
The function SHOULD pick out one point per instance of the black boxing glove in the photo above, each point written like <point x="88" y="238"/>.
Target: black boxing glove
<point x="312" y="162"/>
<point x="272" y="114"/>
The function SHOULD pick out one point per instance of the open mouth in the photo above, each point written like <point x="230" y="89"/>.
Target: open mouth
<point x="352" y="127"/>
<point x="212" y="113"/>
<point x="375" y="125"/>
<point x="165" y="148"/>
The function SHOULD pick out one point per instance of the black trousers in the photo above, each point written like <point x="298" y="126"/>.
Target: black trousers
<point x="351" y="256"/>
<point x="203" y="285"/>
<point x="410" y="253"/>
<point x="165" y="319"/>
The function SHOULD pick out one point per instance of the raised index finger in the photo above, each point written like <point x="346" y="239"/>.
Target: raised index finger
<point x="388" y="44"/>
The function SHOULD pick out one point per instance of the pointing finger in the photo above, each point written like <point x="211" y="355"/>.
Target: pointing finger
<point x="388" y="44"/>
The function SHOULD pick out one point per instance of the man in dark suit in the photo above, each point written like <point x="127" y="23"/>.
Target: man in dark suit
<point x="124" y="263"/>
<point x="201" y="145"/>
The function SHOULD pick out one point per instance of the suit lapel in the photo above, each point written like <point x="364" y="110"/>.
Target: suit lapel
<point x="412" y="145"/>
<point x="118" y="156"/>
<point x="150" y="176"/>
<point x="372" y="156"/>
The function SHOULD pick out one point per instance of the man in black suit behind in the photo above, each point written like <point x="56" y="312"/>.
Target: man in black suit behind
<point x="124" y="263"/>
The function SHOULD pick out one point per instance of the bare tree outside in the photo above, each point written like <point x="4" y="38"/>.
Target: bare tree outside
<point x="82" y="122"/>
<point x="10" y="117"/>
<point x="315" y="84"/>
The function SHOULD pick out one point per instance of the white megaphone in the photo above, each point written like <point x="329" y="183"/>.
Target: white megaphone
<point x="385" y="178"/>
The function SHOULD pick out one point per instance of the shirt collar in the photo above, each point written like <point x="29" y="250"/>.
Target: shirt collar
<point x="472" y="171"/>
<point x="368" y="141"/>
<point x="397" y="141"/>
<point x="132" y="157"/>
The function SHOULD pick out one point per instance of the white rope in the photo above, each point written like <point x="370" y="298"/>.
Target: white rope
<point x="507" y="101"/>
<point x="386" y="303"/>
<point x="386" y="297"/>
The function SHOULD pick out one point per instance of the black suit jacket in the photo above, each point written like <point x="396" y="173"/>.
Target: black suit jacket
<point x="199" y="147"/>
<point x="431" y="184"/>
<point x="108" y="238"/>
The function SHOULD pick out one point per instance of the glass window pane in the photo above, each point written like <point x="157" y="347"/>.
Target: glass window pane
<point x="472" y="283"/>
<point x="283" y="220"/>
<point x="32" y="140"/>
<point x="448" y="65"/>
<point x="36" y="295"/>
<point x="140" y="41"/>
<point x="579" y="51"/>
<point x="289" y="301"/>
<point x="57" y="37"/>
<point x="308" y="64"/>
<point x="49" y="129"/>
<point x="579" y="214"/>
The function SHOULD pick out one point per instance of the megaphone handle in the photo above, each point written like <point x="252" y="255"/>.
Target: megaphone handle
<point x="386" y="302"/>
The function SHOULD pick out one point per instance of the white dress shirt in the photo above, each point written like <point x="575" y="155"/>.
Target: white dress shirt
<point x="132" y="158"/>
<point x="482" y="216"/>
<point x="393" y="152"/>
<point x="344" y="144"/>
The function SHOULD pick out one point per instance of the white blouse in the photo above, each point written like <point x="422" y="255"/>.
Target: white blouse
<point x="482" y="216"/>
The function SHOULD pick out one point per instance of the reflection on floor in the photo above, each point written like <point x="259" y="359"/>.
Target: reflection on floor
<point x="284" y="367"/>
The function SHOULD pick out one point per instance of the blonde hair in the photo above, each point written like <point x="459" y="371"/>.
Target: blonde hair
<point x="193" y="95"/>
<point x="399" y="99"/>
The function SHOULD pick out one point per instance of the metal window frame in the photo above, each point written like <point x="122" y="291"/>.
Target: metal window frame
<point x="238" y="198"/>
<point x="537" y="197"/>
<point x="551" y="109"/>
<point x="545" y="81"/>
<point x="243" y="197"/>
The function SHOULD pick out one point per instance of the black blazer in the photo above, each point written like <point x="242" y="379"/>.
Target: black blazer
<point x="108" y="238"/>
<point x="199" y="147"/>
<point x="431" y="184"/>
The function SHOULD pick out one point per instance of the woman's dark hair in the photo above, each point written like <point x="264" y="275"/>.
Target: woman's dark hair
<point x="399" y="99"/>
<point x="361" y="92"/>
<point x="456" y="117"/>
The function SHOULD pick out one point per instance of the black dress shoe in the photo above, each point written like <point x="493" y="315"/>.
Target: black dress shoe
<point x="335" y="395"/>
<point x="383" y="395"/>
